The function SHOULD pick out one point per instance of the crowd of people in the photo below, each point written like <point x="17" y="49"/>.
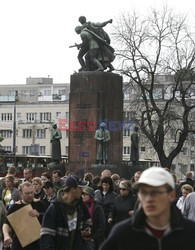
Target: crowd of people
<point x="104" y="212"/>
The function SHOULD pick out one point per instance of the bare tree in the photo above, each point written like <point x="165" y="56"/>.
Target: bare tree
<point x="159" y="44"/>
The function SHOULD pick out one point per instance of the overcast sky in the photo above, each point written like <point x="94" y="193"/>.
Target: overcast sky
<point x="35" y="34"/>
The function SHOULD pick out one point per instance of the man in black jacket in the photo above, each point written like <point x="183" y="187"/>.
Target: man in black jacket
<point x="67" y="220"/>
<point x="158" y="224"/>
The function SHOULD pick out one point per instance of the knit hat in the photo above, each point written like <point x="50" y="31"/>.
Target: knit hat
<point x="89" y="191"/>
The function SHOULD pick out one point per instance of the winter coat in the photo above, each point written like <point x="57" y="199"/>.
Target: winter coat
<point x="55" y="230"/>
<point x="131" y="234"/>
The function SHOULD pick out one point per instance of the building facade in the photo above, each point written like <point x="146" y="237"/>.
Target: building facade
<point x="39" y="103"/>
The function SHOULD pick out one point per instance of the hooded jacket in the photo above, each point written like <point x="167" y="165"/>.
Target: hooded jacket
<point x="55" y="232"/>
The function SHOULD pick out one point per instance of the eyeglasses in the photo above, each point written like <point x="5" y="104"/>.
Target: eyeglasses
<point x="153" y="193"/>
<point x="122" y="189"/>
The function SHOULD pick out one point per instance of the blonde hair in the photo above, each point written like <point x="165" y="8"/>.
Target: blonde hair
<point x="187" y="187"/>
<point x="37" y="180"/>
<point x="24" y="184"/>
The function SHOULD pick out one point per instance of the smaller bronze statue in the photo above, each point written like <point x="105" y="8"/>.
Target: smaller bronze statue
<point x="56" y="135"/>
<point x="134" y="158"/>
<point x="102" y="135"/>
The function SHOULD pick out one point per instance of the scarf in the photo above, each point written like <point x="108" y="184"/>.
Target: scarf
<point x="90" y="204"/>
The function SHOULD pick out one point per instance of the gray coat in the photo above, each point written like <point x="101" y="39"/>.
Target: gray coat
<point x="15" y="196"/>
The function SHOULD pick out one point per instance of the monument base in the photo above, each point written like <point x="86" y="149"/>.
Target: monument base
<point x="104" y="166"/>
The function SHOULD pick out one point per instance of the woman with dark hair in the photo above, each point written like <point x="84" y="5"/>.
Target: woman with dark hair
<point x="10" y="194"/>
<point x="45" y="177"/>
<point x="96" y="236"/>
<point x="105" y="197"/>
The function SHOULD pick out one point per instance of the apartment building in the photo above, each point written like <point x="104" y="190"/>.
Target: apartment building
<point x="37" y="105"/>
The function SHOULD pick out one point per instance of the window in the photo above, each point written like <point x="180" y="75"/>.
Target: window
<point x="67" y="115"/>
<point x="45" y="116"/>
<point x="6" y="116"/>
<point x="26" y="150"/>
<point x="173" y="133"/>
<point x="7" y="148"/>
<point x="157" y="93"/>
<point x="41" y="133"/>
<point x="58" y="114"/>
<point x="12" y="92"/>
<point x="183" y="168"/>
<point x="61" y="92"/>
<point x="185" y="151"/>
<point x="126" y="132"/>
<point x="126" y="96"/>
<point x="33" y="92"/>
<point x="31" y="117"/>
<point x="126" y="150"/>
<point x="143" y="149"/>
<point x="66" y="150"/>
<point x="27" y="133"/>
<point x="19" y="115"/>
<point x="67" y="133"/>
<point x="6" y="133"/>
<point x="24" y="92"/>
<point x="47" y="92"/>
<point x="42" y="150"/>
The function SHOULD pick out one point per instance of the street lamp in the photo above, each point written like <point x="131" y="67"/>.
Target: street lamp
<point x="14" y="124"/>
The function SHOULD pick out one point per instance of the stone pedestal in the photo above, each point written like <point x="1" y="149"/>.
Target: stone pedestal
<point x="94" y="96"/>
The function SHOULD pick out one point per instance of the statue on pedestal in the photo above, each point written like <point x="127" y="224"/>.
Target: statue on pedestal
<point x="134" y="158"/>
<point x="56" y="135"/>
<point x="95" y="46"/>
<point x="102" y="135"/>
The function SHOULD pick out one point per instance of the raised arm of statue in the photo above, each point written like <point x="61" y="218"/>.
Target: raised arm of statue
<point x="102" y="24"/>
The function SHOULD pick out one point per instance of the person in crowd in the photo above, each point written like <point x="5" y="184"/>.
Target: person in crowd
<point x="38" y="209"/>
<point x="50" y="194"/>
<point x="177" y="187"/>
<point x="10" y="194"/>
<point x="136" y="176"/>
<point x="27" y="174"/>
<point x="67" y="219"/>
<point x="98" y="222"/>
<point x="11" y="171"/>
<point x="116" y="180"/>
<point x="57" y="180"/>
<point x="188" y="209"/>
<point x="3" y="213"/>
<point x="45" y="177"/>
<point x="134" y="180"/>
<point x="37" y="186"/>
<point x="158" y="224"/>
<point x="105" y="173"/>
<point x="185" y="190"/>
<point x="89" y="177"/>
<point x="96" y="183"/>
<point x="189" y="179"/>
<point x="105" y="197"/>
<point x="124" y="202"/>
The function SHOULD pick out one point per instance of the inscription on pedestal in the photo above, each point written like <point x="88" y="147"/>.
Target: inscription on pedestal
<point x="83" y="134"/>
<point x="83" y="106"/>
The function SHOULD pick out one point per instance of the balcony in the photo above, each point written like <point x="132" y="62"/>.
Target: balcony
<point x="34" y="122"/>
